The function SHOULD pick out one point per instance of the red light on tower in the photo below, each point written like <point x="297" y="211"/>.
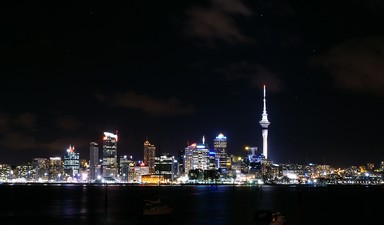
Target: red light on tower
<point x="71" y="149"/>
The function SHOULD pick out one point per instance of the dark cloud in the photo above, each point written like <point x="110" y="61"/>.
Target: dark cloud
<point x="356" y="64"/>
<point x="218" y="22"/>
<point x="230" y="6"/>
<point x="20" y="133"/>
<point x="153" y="106"/>
<point x="18" y="141"/>
<point x="26" y="120"/>
<point x="68" y="123"/>
<point x="15" y="131"/>
<point x="5" y="120"/>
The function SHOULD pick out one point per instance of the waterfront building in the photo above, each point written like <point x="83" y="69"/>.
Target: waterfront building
<point x="213" y="161"/>
<point x="149" y="156"/>
<point x="180" y="161"/>
<point x="197" y="157"/>
<point x="41" y="167"/>
<point x="238" y="163"/>
<point x="93" y="161"/>
<point x="124" y="164"/>
<point x="140" y="169"/>
<point x="109" y="164"/>
<point x="131" y="172"/>
<point x="55" y="169"/>
<point x="25" y="172"/>
<point x="166" y="165"/>
<point x="255" y="164"/>
<point x="72" y="163"/>
<point x="188" y="158"/>
<point x="220" y="149"/>
<point x="5" y="171"/>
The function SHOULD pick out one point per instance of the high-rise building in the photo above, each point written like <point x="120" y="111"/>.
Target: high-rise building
<point x="72" y="162"/>
<point x="220" y="148"/>
<point x="93" y="161"/>
<point x="166" y="166"/>
<point x="56" y="168"/>
<point x="41" y="167"/>
<point x="5" y="171"/>
<point x="125" y="166"/>
<point x="197" y="157"/>
<point x="180" y="161"/>
<point x="109" y="165"/>
<point x="254" y="160"/>
<point x="188" y="157"/>
<point x="149" y="156"/>
<point x="264" y="126"/>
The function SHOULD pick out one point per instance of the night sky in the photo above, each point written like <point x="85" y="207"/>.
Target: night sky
<point x="173" y="71"/>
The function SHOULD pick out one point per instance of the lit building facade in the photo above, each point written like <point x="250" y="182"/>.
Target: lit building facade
<point x="93" y="161"/>
<point x="167" y="166"/>
<point x="109" y="164"/>
<point x="125" y="163"/>
<point x="25" y="172"/>
<point x="41" y="167"/>
<point x="220" y="149"/>
<point x="71" y="162"/>
<point x="5" y="171"/>
<point x="197" y="157"/>
<point x="188" y="158"/>
<point x="55" y="169"/>
<point x="149" y="156"/>
<point x="254" y="161"/>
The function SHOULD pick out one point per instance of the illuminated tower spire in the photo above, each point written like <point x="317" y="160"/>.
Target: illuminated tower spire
<point x="264" y="125"/>
<point x="203" y="140"/>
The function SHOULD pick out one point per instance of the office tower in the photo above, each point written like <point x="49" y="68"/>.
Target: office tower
<point x="254" y="160"/>
<point x="149" y="156"/>
<point x="40" y="165"/>
<point x="197" y="157"/>
<point x="188" y="157"/>
<point x="201" y="156"/>
<point x="93" y="161"/>
<point x="180" y="161"/>
<point x="5" y="171"/>
<point x="24" y="171"/>
<point x="72" y="163"/>
<point x="125" y="163"/>
<point x="56" y="169"/>
<point x="264" y="126"/>
<point x="109" y="165"/>
<point x="166" y="166"/>
<point x="220" y="148"/>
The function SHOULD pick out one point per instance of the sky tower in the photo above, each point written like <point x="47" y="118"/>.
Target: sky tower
<point x="264" y="125"/>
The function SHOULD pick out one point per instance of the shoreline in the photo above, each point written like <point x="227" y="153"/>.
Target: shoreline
<point x="182" y="185"/>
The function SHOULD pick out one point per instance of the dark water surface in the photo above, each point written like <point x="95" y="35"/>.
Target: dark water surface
<point x="71" y="204"/>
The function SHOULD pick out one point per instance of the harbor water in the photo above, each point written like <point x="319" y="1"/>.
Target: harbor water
<point x="70" y="204"/>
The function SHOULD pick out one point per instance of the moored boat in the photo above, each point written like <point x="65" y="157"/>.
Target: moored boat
<point x="157" y="207"/>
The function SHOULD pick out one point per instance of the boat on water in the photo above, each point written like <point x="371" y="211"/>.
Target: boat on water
<point x="269" y="217"/>
<point x="156" y="207"/>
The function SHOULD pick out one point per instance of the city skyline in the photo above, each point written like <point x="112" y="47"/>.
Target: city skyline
<point x="173" y="73"/>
